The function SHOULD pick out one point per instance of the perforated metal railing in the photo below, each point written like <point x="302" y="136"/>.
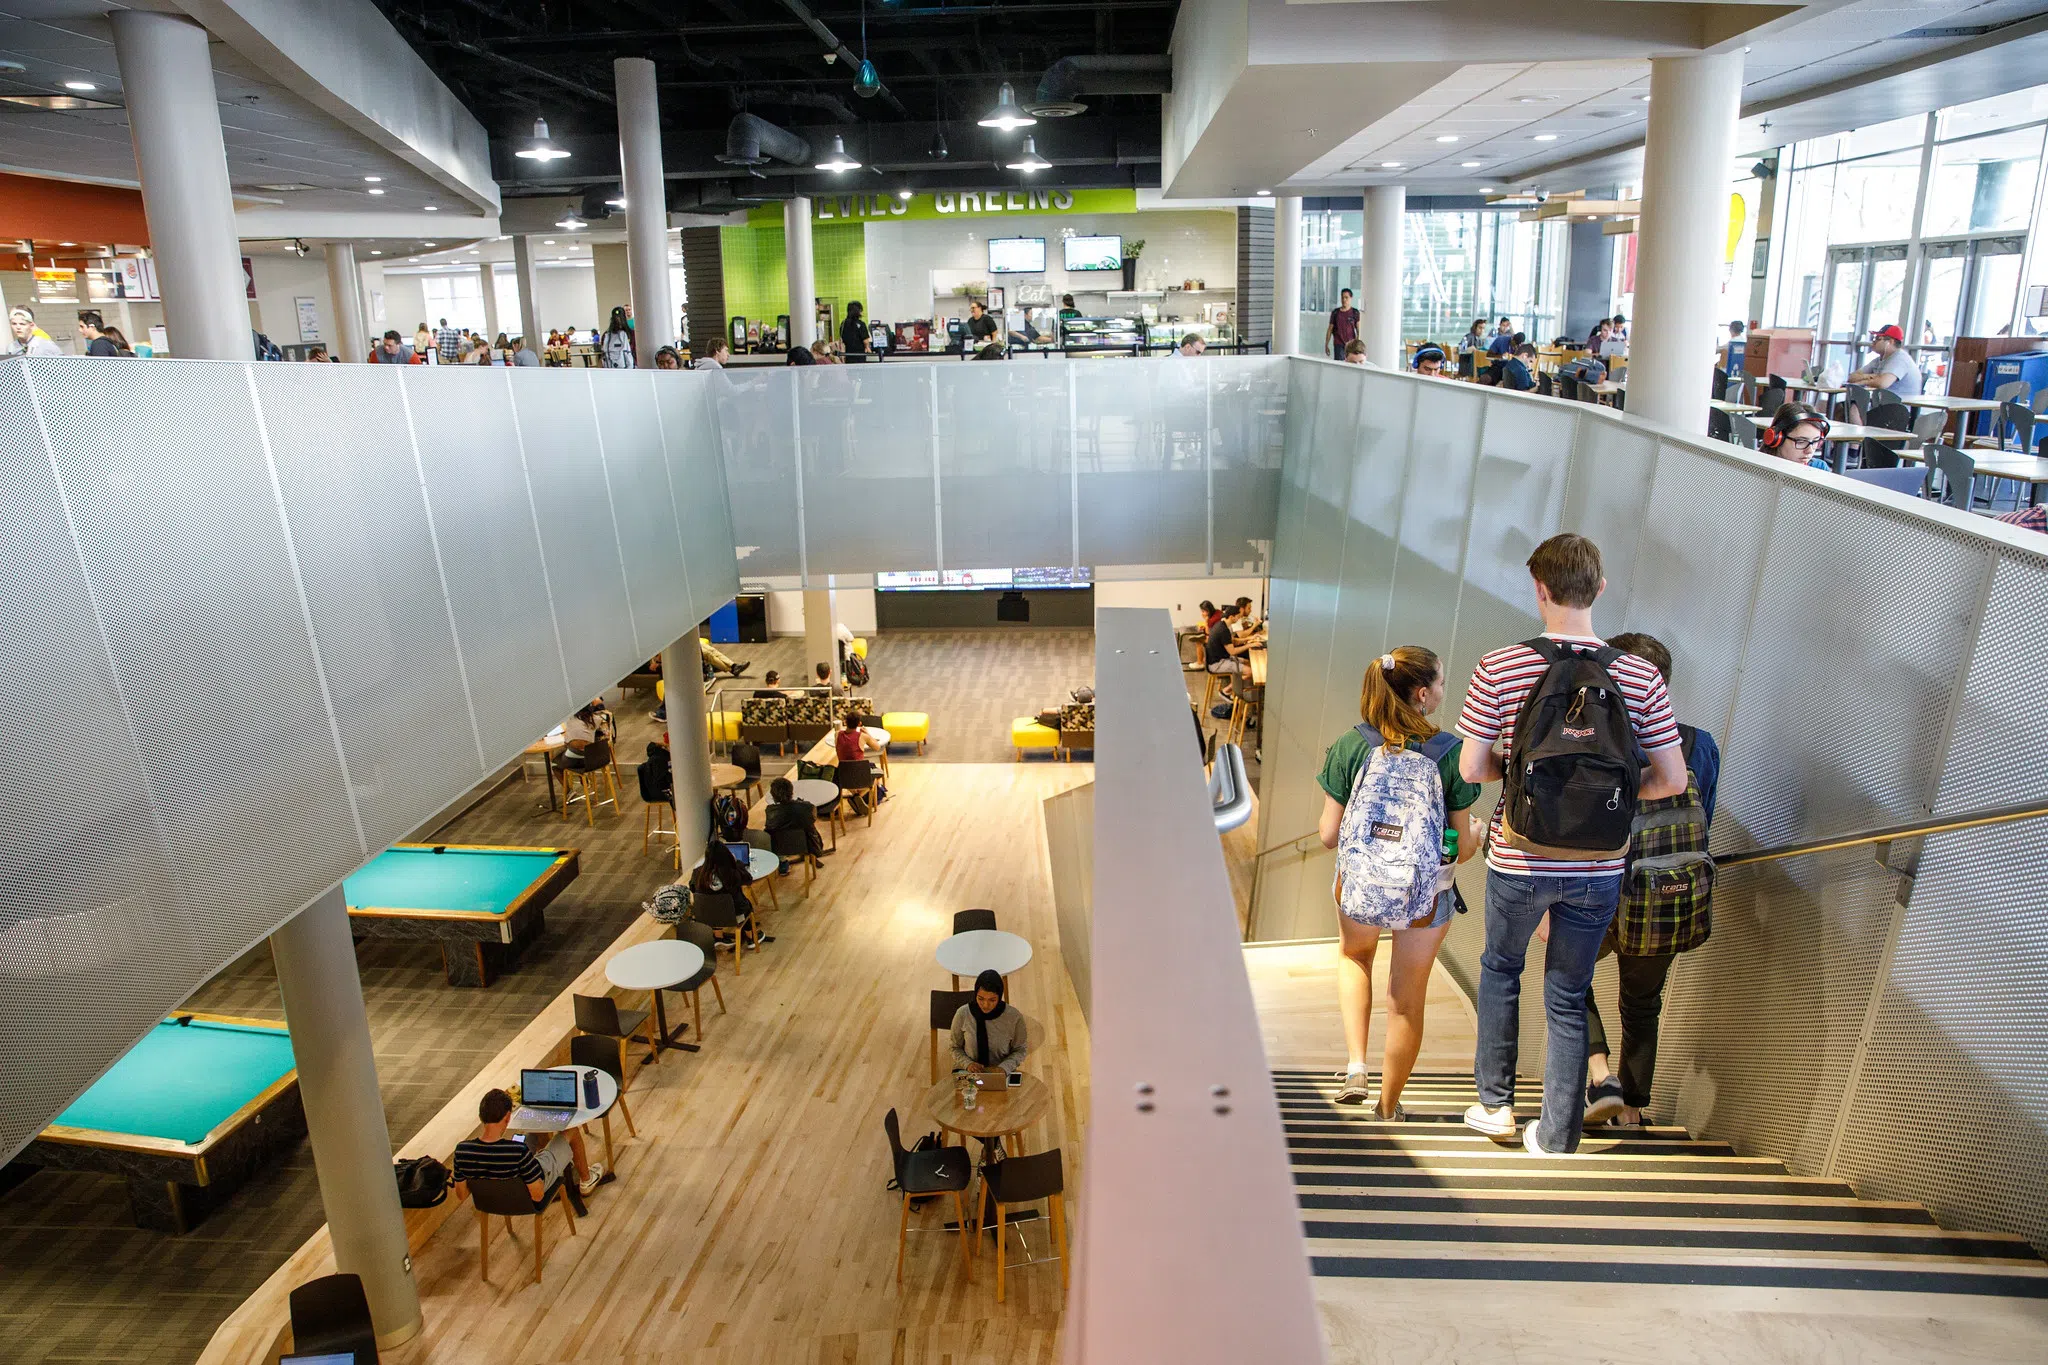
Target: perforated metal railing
<point x="1865" y="659"/>
<point x="258" y="621"/>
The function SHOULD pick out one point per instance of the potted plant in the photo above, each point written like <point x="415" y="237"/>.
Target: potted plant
<point x="1133" y="248"/>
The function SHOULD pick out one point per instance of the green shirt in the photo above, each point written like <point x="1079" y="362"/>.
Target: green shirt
<point x="1345" y="757"/>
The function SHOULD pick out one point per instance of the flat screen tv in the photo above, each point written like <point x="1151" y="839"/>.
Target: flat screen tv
<point x="1016" y="255"/>
<point x="1094" y="253"/>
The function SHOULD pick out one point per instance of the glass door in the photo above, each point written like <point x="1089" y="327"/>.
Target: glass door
<point x="1994" y="284"/>
<point x="1843" y="305"/>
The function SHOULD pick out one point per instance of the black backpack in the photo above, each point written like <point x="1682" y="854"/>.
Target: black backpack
<point x="1570" y="788"/>
<point x="930" y="1142"/>
<point x="422" y="1182"/>
<point x="856" y="670"/>
<point x="728" y="818"/>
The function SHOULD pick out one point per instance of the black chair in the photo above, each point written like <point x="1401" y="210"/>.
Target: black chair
<point x="601" y="1015"/>
<point x="1568" y="388"/>
<point x="856" y="782"/>
<point x="1543" y="385"/>
<point x="1720" y="382"/>
<point x="658" y="802"/>
<point x="1892" y="416"/>
<point x="1769" y="401"/>
<point x="590" y="1050"/>
<point x="747" y="758"/>
<point x="942" y="1170"/>
<point x="793" y="844"/>
<point x="727" y="914"/>
<point x="508" y="1199"/>
<point x="331" y="1317"/>
<point x="966" y="921"/>
<point x="1718" y="426"/>
<point x="704" y="938"/>
<point x="945" y="1004"/>
<point x="1026" y="1180"/>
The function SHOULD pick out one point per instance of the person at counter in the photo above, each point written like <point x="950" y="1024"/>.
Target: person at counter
<point x="1190" y="347"/>
<point x="853" y="333"/>
<point x="981" y="328"/>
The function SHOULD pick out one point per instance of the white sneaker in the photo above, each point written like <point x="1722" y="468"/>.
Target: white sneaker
<point x="1492" y="1122"/>
<point x="1529" y="1143"/>
<point x="596" y="1178"/>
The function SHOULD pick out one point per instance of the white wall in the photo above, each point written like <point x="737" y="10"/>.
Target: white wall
<point x="568" y="297"/>
<point x="280" y="280"/>
<point x="901" y="256"/>
<point x="1180" y="596"/>
<point x="405" y="304"/>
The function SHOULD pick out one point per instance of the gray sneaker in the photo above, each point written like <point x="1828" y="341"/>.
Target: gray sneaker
<point x="1399" y="1115"/>
<point x="1356" y="1090"/>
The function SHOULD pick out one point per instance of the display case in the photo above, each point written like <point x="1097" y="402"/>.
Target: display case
<point x="1103" y="331"/>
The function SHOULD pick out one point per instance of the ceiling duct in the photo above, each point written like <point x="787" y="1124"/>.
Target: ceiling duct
<point x="1070" y="77"/>
<point x="753" y="141"/>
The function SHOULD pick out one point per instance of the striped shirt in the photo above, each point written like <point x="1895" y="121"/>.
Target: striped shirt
<point x="505" y="1159"/>
<point x="1502" y="682"/>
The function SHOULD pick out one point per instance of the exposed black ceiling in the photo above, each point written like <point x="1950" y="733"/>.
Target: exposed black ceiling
<point x="939" y="66"/>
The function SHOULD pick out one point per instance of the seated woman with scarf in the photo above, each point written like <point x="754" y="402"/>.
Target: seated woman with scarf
<point x="988" y="1034"/>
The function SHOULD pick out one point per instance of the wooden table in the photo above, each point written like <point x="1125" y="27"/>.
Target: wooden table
<point x="545" y="748"/>
<point x="2031" y="470"/>
<point x="725" y="776"/>
<point x="825" y="752"/>
<point x="1000" y="1112"/>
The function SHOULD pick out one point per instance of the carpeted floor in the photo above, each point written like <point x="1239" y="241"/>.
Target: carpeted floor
<point x="79" y="1283"/>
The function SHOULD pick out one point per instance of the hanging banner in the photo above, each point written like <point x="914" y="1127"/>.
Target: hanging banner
<point x="953" y="205"/>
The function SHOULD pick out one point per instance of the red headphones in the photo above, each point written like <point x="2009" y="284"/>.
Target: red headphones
<point x="1773" y="436"/>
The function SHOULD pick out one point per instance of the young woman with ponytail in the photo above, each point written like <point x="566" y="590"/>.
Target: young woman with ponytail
<point x="1400" y="691"/>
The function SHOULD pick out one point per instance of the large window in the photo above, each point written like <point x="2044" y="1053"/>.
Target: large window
<point x="1455" y="266"/>
<point x="458" y="297"/>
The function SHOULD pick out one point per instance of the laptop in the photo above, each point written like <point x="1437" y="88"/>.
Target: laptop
<point x="547" y="1100"/>
<point x="343" y="1358"/>
<point x="1612" y="347"/>
<point x="741" y="853"/>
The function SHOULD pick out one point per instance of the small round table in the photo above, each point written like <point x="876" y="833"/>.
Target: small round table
<point x="607" y="1096"/>
<point x="762" y="864"/>
<point x="999" y="1112"/>
<point x="979" y="950"/>
<point x="724" y="775"/>
<point x="655" y="967"/>
<point x="822" y="795"/>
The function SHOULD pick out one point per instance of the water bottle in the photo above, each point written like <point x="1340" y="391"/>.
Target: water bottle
<point x="590" y="1089"/>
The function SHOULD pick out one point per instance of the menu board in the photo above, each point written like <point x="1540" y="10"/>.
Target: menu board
<point x="982" y="580"/>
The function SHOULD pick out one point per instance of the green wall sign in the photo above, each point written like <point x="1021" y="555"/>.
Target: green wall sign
<point x="953" y="205"/>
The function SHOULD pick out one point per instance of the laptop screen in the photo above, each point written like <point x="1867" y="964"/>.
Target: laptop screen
<point x="548" y="1088"/>
<point x="344" y="1358"/>
<point x="741" y="853"/>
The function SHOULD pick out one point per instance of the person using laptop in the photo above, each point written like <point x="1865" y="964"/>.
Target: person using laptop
<point x="494" y="1155"/>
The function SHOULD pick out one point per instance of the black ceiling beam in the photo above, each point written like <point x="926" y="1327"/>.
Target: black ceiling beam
<point x="454" y="41"/>
<point x="879" y="20"/>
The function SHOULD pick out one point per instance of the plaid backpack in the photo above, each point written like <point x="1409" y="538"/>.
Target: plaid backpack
<point x="1667" y="893"/>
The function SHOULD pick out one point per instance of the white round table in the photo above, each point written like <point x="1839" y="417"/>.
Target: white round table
<point x="607" y="1096"/>
<point x="815" y="790"/>
<point x="760" y="861"/>
<point x="980" y="950"/>
<point x="655" y="967"/>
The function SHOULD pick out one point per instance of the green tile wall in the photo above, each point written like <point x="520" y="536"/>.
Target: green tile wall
<point x="757" y="273"/>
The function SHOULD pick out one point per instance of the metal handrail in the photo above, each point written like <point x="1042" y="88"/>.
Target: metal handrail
<point x="1277" y="848"/>
<point x="2001" y="815"/>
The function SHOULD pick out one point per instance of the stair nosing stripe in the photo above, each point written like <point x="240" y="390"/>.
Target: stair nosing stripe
<point x="1740" y="1276"/>
<point x="1700" y="1238"/>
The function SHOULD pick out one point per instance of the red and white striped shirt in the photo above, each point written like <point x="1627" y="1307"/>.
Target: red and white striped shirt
<point x="1503" y="681"/>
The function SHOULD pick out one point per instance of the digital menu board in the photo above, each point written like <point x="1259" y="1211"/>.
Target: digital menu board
<point x="982" y="580"/>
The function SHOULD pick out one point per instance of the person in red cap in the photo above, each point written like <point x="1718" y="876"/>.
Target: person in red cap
<point x="1889" y="366"/>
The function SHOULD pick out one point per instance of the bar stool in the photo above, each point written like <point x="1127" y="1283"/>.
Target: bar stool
<point x="1026" y="1180"/>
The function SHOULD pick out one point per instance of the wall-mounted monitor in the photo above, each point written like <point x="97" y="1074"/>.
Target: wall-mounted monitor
<point x="1094" y="253"/>
<point x="1016" y="255"/>
<point x="982" y="580"/>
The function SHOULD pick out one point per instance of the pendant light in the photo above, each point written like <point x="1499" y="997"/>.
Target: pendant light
<point x="543" y="149"/>
<point x="1030" y="160"/>
<point x="839" y="160"/>
<point x="1006" y="115"/>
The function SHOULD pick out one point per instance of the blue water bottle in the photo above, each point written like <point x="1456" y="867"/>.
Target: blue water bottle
<point x="590" y="1089"/>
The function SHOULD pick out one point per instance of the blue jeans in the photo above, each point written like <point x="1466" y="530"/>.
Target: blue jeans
<point x="1580" y="910"/>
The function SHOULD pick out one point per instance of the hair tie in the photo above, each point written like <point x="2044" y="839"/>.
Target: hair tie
<point x="1387" y="662"/>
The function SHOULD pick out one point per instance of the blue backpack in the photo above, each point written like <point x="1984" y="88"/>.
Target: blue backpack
<point x="1390" y="844"/>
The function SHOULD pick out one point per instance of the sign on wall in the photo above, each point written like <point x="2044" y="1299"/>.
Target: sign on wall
<point x="953" y="205"/>
<point x="309" y="319"/>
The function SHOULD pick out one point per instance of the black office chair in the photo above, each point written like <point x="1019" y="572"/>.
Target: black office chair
<point x="601" y="1015"/>
<point x="728" y="915"/>
<point x="1568" y="388"/>
<point x="945" y="1004"/>
<point x="1770" y="400"/>
<point x="1544" y="388"/>
<point x="508" y="1199"/>
<point x="942" y="1170"/>
<point x="331" y="1316"/>
<point x="1026" y="1180"/>
<point x="590" y="1050"/>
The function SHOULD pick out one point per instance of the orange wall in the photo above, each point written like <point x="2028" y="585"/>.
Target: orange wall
<point x="64" y="211"/>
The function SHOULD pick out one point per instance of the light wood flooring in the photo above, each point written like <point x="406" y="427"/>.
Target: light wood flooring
<point x="749" y="1222"/>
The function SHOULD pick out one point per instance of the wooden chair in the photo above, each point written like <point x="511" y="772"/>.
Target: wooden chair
<point x="945" y="1170"/>
<point x="601" y="1015"/>
<point x="331" y="1316"/>
<point x="596" y="764"/>
<point x="1248" y="707"/>
<point x="591" y="1050"/>
<point x="721" y="912"/>
<point x="945" y="1004"/>
<point x="508" y="1199"/>
<point x="1026" y="1180"/>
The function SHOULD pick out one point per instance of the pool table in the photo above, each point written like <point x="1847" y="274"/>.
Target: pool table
<point x="186" y="1115"/>
<point x="481" y="903"/>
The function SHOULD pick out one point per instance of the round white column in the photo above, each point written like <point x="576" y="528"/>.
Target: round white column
<point x="323" y="1005"/>
<point x="345" y="286"/>
<point x="1682" y="236"/>
<point x="167" y="82"/>
<point x="529" y="304"/>
<point x="654" y="313"/>
<point x="488" y="286"/>
<point x="682" y="696"/>
<point x="1287" y="275"/>
<point x="1379" y="312"/>
<point x="803" y="275"/>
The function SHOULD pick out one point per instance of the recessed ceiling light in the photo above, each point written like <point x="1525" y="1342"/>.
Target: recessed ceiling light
<point x="1469" y="165"/>
<point x="1486" y="189"/>
<point x="82" y="87"/>
<point x="1535" y="99"/>
<point x="67" y="244"/>
<point x="376" y="253"/>
<point x="1644" y="98"/>
<point x="426" y="243"/>
<point x="1447" y="137"/>
<point x="375" y="190"/>
<point x="1264" y="194"/>
<point x="373" y="180"/>
<point x="903" y="194"/>
<point x="619" y="202"/>
<point x="1390" y="165"/>
<point x="549" y="242"/>
<point x="414" y="259"/>
<point x="431" y="208"/>
<point x="1544" y="137"/>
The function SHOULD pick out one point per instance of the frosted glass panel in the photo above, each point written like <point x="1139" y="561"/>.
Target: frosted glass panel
<point x="1247" y="425"/>
<point x="757" y="422"/>
<point x="1142" y="442"/>
<point x="1006" y="489"/>
<point x="867" y="461"/>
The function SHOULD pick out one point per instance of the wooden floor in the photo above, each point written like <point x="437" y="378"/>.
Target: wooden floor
<point x="749" y="1221"/>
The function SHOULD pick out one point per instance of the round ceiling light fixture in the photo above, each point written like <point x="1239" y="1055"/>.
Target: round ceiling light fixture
<point x="1006" y="116"/>
<point x="1447" y="137"/>
<point x="82" y="87"/>
<point x="838" y="161"/>
<point x="1030" y="160"/>
<point x="542" y="149"/>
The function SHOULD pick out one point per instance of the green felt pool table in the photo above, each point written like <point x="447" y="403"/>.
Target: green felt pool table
<point x="481" y="903"/>
<point x="186" y="1115"/>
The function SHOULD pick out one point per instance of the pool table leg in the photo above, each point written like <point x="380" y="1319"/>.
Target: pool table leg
<point x="466" y="964"/>
<point x="165" y="1205"/>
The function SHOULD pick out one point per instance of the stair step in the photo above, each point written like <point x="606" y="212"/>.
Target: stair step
<point x="1571" y="1175"/>
<point x="1453" y="1125"/>
<point x="1775" y="1239"/>
<point x="1369" y="1138"/>
<point x="1906" y="1277"/>
<point x="1453" y="1160"/>
<point x="1610" y="1207"/>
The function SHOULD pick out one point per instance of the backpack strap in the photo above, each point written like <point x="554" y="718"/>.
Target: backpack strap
<point x="1437" y="745"/>
<point x="1688" y="739"/>
<point x="1373" y="738"/>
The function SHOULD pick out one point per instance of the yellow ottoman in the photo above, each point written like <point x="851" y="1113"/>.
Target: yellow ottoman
<point x="859" y="646"/>
<point x="908" y="727"/>
<point x="722" y="727"/>
<point x="1027" y="733"/>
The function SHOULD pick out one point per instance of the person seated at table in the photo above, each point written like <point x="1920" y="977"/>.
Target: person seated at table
<point x="1429" y="360"/>
<point x="720" y="870"/>
<point x="785" y="811"/>
<point x="770" y="689"/>
<point x="1798" y="433"/>
<point x="660" y="773"/>
<point x="1247" y="619"/>
<point x="989" y="1034"/>
<point x="1518" y="371"/>
<point x="1889" y="367"/>
<point x="579" y="732"/>
<point x="493" y="1155"/>
<point x="823" y="673"/>
<point x="1222" y="652"/>
<point x="850" y="743"/>
<point x="668" y="358"/>
<point x="720" y="660"/>
<point x="1354" y="354"/>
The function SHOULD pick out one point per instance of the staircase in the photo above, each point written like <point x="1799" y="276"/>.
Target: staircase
<point x="1430" y="1199"/>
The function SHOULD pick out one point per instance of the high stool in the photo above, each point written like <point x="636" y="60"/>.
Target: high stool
<point x="1026" y="1180"/>
<point x="581" y="784"/>
<point x="659" y="819"/>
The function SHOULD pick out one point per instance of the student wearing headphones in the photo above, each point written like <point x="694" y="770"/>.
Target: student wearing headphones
<point x="1429" y="360"/>
<point x="1798" y="433"/>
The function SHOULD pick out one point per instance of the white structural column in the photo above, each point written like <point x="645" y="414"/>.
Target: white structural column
<point x="323" y="1004"/>
<point x="803" y="275"/>
<point x="821" y="645"/>
<point x="1379" y="312"/>
<point x="654" y="313"/>
<point x="1287" y="275"/>
<point x="167" y="82"/>
<point x="1682" y="236"/>
<point x="489" y="286"/>
<point x="682" y="692"/>
<point x="345" y="287"/>
<point x="529" y="297"/>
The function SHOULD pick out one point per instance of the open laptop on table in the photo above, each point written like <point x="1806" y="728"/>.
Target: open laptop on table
<point x="547" y="1100"/>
